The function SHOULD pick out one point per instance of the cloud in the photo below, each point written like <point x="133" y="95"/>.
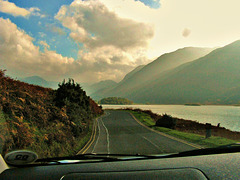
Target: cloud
<point x="116" y="36"/>
<point x="44" y="44"/>
<point x="186" y="32"/>
<point x="21" y="57"/>
<point x="36" y="12"/>
<point x="42" y="34"/>
<point x="92" y="24"/>
<point x="112" y="45"/>
<point x="55" y="29"/>
<point x="11" y="8"/>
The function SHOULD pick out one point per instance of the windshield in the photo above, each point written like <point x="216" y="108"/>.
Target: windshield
<point x="131" y="77"/>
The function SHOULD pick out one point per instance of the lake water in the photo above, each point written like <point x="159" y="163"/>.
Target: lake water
<point x="227" y="116"/>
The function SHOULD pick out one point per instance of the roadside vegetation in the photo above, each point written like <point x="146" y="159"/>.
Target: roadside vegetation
<point x="49" y="122"/>
<point x="149" y="119"/>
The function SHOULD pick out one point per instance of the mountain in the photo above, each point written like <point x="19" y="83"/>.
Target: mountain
<point x="100" y="89"/>
<point x="131" y="73"/>
<point x="143" y="74"/>
<point x="212" y="79"/>
<point x="36" y="80"/>
<point x="102" y="85"/>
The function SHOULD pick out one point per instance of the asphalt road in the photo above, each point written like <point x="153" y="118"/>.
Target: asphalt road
<point x="117" y="132"/>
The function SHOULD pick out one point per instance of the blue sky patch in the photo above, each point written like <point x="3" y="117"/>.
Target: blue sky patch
<point x="151" y="3"/>
<point x="45" y="28"/>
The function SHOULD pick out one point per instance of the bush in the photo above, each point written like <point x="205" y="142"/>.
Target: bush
<point x="166" y="121"/>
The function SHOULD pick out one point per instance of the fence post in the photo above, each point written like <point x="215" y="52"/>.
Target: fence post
<point x="208" y="130"/>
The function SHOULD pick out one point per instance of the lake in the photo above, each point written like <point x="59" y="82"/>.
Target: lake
<point x="227" y="116"/>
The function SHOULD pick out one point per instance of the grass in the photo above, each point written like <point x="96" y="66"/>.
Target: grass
<point x="213" y="141"/>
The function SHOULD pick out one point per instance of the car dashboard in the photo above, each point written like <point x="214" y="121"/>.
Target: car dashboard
<point x="214" y="166"/>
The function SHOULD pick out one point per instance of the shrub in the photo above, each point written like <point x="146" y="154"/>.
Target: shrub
<point x="166" y="121"/>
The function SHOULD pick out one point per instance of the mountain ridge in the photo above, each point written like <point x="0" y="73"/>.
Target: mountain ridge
<point x="208" y="78"/>
<point x="166" y="61"/>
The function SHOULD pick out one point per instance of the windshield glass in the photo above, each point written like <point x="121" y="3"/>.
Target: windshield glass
<point x="118" y="77"/>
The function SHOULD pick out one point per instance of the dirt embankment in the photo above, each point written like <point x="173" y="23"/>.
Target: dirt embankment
<point x="195" y="127"/>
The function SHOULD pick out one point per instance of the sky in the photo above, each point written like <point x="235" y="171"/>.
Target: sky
<point x="95" y="40"/>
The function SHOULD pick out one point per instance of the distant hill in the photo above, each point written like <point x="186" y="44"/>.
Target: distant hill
<point x="212" y="79"/>
<point x="115" y="100"/>
<point x="36" y="80"/>
<point x="144" y="74"/>
<point x="100" y="89"/>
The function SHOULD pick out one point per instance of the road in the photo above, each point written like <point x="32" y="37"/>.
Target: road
<point x="117" y="132"/>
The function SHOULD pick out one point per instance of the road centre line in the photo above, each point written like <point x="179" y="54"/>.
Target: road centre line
<point x="108" y="151"/>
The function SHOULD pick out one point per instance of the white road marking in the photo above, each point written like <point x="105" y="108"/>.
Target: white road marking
<point x="108" y="151"/>
<point x="151" y="142"/>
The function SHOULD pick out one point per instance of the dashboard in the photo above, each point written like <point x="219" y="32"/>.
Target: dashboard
<point x="216" y="166"/>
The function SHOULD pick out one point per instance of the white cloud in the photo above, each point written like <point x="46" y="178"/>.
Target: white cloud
<point x="21" y="57"/>
<point x="95" y="26"/>
<point x="35" y="11"/>
<point x="44" y="44"/>
<point x="11" y="8"/>
<point x="113" y="45"/>
<point x="55" y="29"/>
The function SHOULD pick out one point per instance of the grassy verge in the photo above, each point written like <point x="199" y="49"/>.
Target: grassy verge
<point x="213" y="141"/>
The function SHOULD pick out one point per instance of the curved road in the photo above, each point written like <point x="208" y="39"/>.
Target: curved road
<point x="117" y="132"/>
